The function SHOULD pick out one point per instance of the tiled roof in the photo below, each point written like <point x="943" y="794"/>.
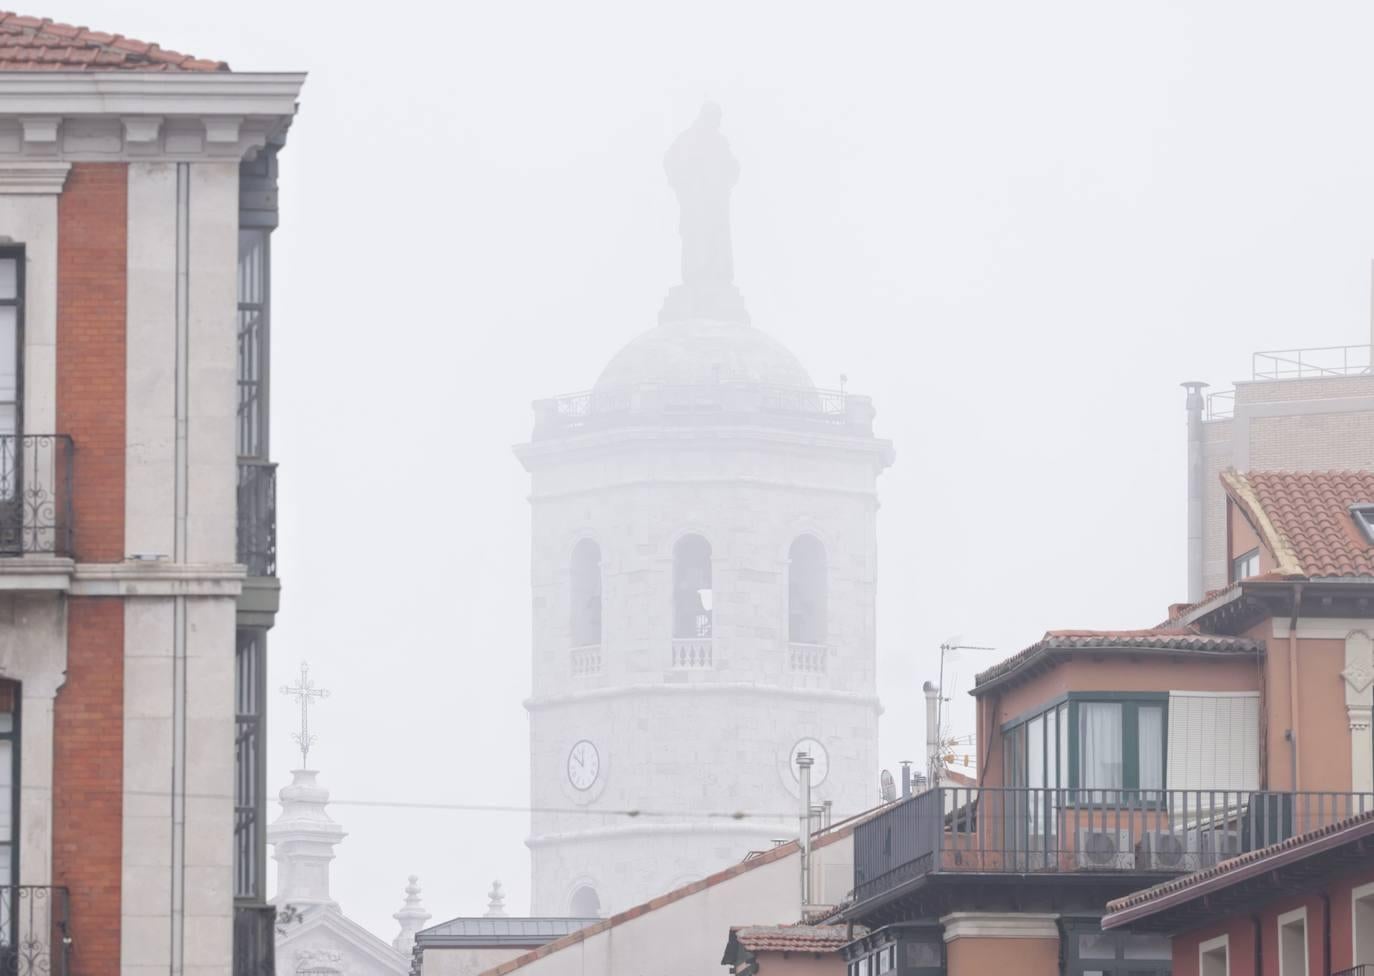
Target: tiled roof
<point x="793" y="938"/>
<point x="1059" y="642"/>
<point x="830" y="835"/>
<point x="34" y="44"/>
<point x="1294" y="848"/>
<point x="1305" y="521"/>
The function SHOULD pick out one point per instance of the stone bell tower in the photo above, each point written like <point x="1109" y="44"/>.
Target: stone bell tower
<point x="703" y="587"/>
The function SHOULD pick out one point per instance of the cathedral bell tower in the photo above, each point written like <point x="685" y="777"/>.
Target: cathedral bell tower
<point x="703" y="588"/>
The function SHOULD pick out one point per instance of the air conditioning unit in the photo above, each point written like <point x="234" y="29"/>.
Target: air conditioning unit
<point x="1215" y="845"/>
<point x="1105" y="850"/>
<point x="1161" y="850"/>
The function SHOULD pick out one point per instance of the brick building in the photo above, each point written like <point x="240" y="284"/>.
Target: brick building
<point x="137" y="197"/>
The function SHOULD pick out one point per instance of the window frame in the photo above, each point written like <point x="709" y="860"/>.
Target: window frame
<point x="1358" y="894"/>
<point x="1015" y="732"/>
<point x="1284" y="921"/>
<point x="17" y="252"/>
<point x="1363" y="514"/>
<point x="1245" y="565"/>
<point x="1222" y="942"/>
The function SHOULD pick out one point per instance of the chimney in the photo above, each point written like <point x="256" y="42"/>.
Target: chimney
<point x="932" y="730"/>
<point x="906" y="778"/>
<point x="1195" y="459"/>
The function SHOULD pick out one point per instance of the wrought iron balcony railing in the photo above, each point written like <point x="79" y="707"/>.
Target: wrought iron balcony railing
<point x="1046" y="831"/>
<point x="35" y="931"/>
<point x="1365" y="969"/>
<point x="257" y="528"/>
<point x="35" y="494"/>
<point x="255" y="933"/>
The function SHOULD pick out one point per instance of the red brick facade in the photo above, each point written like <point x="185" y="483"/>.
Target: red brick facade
<point x="92" y="231"/>
<point x="88" y="755"/>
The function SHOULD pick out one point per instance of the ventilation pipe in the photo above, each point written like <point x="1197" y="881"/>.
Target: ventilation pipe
<point x="804" y="764"/>
<point x="1195" y="488"/>
<point x="906" y="778"/>
<point x="932" y="734"/>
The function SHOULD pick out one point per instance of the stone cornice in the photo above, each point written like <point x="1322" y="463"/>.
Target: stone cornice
<point x="158" y="579"/>
<point x="734" y="828"/>
<point x="20" y="177"/>
<point x="79" y="116"/>
<point x="856" y="699"/>
<point x="999" y="925"/>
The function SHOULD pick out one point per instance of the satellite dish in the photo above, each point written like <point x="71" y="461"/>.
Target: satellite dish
<point x="887" y="787"/>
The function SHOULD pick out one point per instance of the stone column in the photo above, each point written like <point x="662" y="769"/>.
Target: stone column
<point x="1359" y="675"/>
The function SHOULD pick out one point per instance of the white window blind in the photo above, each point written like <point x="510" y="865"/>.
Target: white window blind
<point x="1213" y="741"/>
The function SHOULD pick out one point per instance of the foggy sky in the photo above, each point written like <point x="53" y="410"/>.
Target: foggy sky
<point x="1016" y="226"/>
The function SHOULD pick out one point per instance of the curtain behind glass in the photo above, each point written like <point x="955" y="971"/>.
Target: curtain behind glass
<point x="1099" y="738"/>
<point x="1151" y="734"/>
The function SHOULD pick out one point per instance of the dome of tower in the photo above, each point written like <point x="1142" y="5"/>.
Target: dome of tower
<point x="703" y="353"/>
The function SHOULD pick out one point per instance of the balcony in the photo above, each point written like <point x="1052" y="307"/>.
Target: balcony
<point x="1365" y="969"/>
<point x="692" y="654"/>
<point x="35" y="934"/>
<point x="585" y="660"/>
<point x="35" y="494"/>
<point x="807" y="658"/>
<point x="255" y="932"/>
<point x="257" y="524"/>
<point x="1004" y="831"/>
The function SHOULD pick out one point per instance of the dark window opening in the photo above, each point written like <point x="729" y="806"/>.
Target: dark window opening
<point x="585" y="588"/>
<point x="1244" y="566"/>
<point x="806" y="592"/>
<point x="692" y="597"/>
<point x="250" y="770"/>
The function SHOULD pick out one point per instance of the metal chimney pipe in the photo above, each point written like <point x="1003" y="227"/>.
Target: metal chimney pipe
<point x="906" y="778"/>
<point x="1195" y="488"/>
<point x="932" y="729"/>
<point x="804" y="764"/>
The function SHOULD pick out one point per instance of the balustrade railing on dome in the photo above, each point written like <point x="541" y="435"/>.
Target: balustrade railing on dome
<point x="692" y="654"/>
<point x="807" y="658"/>
<point x="585" y="660"/>
<point x="35" y="494"/>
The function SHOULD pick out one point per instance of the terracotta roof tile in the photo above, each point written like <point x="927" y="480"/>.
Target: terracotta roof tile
<point x="34" y="44"/>
<point x="1354" y="827"/>
<point x="1305" y="521"/>
<point x="1168" y="638"/>
<point x="793" y="938"/>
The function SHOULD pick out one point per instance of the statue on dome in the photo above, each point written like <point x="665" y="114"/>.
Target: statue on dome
<point x="702" y="171"/>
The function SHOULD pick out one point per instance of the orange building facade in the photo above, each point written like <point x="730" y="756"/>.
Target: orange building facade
<point x="1113" y="761"/>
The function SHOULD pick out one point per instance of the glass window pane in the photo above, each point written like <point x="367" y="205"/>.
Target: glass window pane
<point x="1148" y="947"/>
<point x="1035" y="752"/>
<point x="1150" y="724"/>
<point x="1096" y="945"/>
<point x="6" y="792"/>
<point x="9" y="372"/>
<point x="9" y="278"/>
<point x="1099" y="745"/>
<point x="1064" y="746"/>
<point x="1051" y="750"/>
<point x="922" y="954"/>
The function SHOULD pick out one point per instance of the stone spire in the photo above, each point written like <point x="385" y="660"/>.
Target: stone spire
<point x="303" y="840"/>
<point x="496" y="902"/>
<point x="702" y="172"/>
<point x="412" y="918"/>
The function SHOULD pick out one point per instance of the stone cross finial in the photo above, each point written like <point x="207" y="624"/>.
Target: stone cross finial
<point x="305" y="694"/>
<point x="496" y="903"/>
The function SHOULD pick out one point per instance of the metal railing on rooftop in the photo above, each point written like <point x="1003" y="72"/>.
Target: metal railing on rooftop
<point x="1221" y="405"/>
<point x="1006" y="830"/>
<point x="1285" y="364"/>
<point x="1364" y="969"/>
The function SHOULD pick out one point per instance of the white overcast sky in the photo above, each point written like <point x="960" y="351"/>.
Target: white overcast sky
<point x="1017" y="226"/>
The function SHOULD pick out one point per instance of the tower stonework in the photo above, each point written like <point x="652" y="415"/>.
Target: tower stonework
<point x="703" y="574"/>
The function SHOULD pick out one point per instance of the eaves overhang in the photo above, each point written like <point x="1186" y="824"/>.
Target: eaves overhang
<point x="1045" y="656"/>
<point x="246" y="93"/>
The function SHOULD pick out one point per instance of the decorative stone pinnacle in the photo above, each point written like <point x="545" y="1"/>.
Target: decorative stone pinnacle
<point x="496" y="904"/>
<point x="411" y="916"/>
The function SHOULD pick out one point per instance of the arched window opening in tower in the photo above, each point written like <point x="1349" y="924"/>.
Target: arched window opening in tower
<point x="806" y="591"/>
<point x="585" y="903"/>
<point x="692" y="601"/>
<point x="586" y="594"/>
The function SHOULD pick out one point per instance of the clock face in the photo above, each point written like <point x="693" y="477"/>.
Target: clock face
<point x="584" y="765"/>
<point x="821" y="765"/>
